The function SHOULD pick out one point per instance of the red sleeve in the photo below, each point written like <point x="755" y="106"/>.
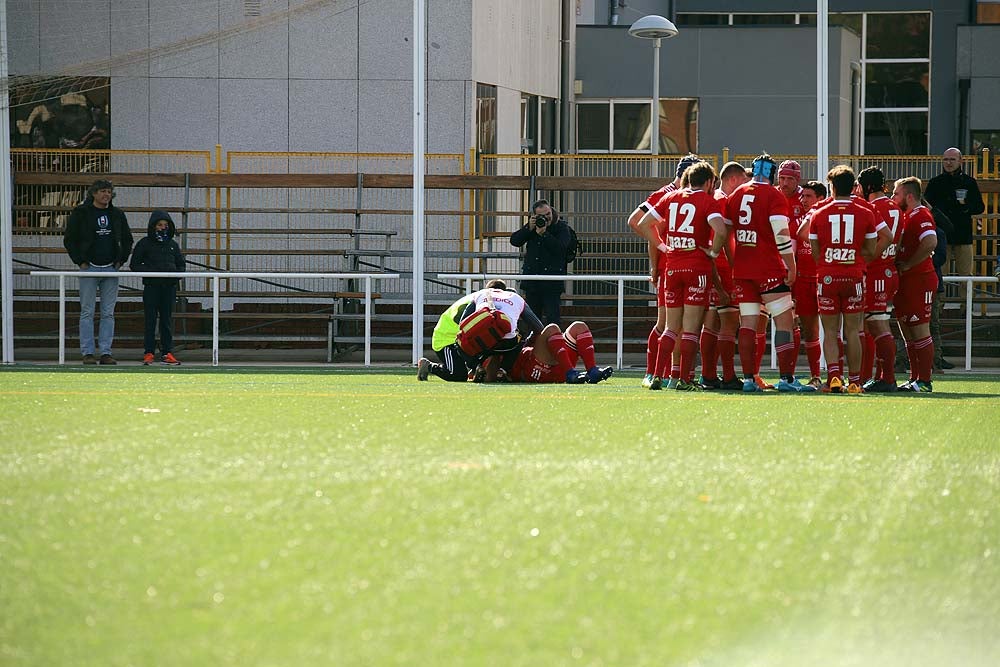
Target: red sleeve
<point x="779" y="205"/>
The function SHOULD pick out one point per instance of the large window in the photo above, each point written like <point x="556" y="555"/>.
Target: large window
<point x="896" y="71"/>
<point x="486" y="118"/>
<point x="623" y="126"/>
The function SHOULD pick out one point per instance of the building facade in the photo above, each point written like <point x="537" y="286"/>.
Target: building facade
<point x="503" y="76"/>
<point x="924" y="73"/>
<point x="285" y="75"/>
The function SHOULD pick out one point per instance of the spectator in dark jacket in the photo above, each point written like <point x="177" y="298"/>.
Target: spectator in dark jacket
<point x="98" y="240"/>
<point x="957" y="195"/>
<point x="546" y="240"/>
<point x="159" y="252"/>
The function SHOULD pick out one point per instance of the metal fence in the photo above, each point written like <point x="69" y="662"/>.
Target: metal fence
<point x="303" y="229"/>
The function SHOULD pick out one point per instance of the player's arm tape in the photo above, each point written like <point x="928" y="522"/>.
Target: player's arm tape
<point x="779" y="223"/>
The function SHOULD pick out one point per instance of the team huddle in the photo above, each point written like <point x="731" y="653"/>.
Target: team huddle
<point x="724" y="248"/>
<point x="727" y="251"/>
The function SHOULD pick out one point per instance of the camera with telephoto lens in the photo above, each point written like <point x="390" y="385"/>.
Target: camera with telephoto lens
<point x="541" y="220"/>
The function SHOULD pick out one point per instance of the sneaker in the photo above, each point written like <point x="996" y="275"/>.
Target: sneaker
<point x="854" y="388"/>
<point x="816" y="383"/>
<point x="107" y="360"/>
<point x="169" y="360"/>
<point x="921" y="387"/>
<point x="732" y="384"/>
<point x="687" y="386"/>
<point x="762" y="383"/>
<point x="596" y="374"/>
<point x="906" y="385"/>
<point x="710" y="383"/>
<point x="647" y="380"/>
<point x="671" y="383"/>
<point x="750" y="386"/>
<point x="89" y="360"/>
<point x="794" y="386"/>
<point x="879" y="387"/>
<point x="423" y="369"/>
<point x="147" y="359"/>
<point x="946" y="365"/>
<point x="574" y="376"/>
<point x="655" y="383"/>
<point x="835" y="386"/>
<point x="868" y="384"/>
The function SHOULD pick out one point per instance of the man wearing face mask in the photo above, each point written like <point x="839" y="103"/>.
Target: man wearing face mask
<point x="159" y="252"/>
<point x="546" y="239"/>
<point x="98" y="240"/>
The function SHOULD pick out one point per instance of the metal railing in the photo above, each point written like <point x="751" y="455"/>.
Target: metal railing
<point x="215" y="278"/>
<point x="968" y="308"/>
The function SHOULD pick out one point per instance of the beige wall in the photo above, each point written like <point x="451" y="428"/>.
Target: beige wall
<point x="515" y="45"/>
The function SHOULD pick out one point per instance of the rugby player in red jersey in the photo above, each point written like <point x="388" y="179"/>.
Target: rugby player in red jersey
<point x="812" y="193"/>
<point x="843" y="236"/>
<point x="917" y="282"/>
<point x="722" y="320"/>
<point x="657" y="261"/>
<point x="800" y="200"/>
<point x="552" y="355"/>
<point x="764" y="271"/>
<point x="693" y="232"/>
<point x="881" y="283"/>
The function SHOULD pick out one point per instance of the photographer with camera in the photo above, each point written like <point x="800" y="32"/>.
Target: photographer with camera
<point x="546" y="238"/>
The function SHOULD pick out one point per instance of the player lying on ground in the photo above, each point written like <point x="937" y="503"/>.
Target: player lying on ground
<point x="551" y="359"/>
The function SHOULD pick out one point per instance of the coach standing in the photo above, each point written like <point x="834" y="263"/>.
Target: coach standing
<point x="957" y="195"/>
<point x="98" y="240"/>
<point x="546" y="237"/>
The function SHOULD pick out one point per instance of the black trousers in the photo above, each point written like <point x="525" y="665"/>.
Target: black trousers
<point x="158" y="302"/>
<point x="544" y="301"/>
<point x="454" y="366"/>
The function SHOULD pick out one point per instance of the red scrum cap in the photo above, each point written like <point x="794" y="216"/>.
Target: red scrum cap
<point x="790" y="168"/>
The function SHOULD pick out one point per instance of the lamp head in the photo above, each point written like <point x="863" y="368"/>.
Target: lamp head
<point x="653" y="27"/>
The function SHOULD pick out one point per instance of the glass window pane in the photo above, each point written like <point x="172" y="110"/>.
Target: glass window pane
<point x="851" y="21"/>
<point x="896" y="85"/>
<point x="899" y="35"/>
<point x="989" y="139"/>
<point x="679" y="125"/>
<point x="903" y="133"/>
<point x="547" y="138"/>
<point x="703" y="19"/>
<point x="631" y="130"/>
<point x="763" y="19"/>
<point x="592" y="125"/>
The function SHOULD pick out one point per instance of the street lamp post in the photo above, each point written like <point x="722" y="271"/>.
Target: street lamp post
<point x="654" y="27"/>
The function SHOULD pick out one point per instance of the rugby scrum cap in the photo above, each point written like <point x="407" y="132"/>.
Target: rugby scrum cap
<point x="871" y="179"/>
<point x="790" y="168"/>
<point x="764" y="166"/>
<point x="686" y="162"/>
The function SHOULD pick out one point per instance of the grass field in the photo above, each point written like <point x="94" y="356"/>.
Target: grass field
<point x="282" y="517"/>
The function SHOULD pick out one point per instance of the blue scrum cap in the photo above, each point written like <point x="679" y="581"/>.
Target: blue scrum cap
<point x="765" y="167"/>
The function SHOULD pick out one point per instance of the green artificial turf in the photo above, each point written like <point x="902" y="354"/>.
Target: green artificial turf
<point x="268" y="517"/>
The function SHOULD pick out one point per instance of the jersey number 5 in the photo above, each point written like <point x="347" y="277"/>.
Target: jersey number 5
<point x="745" y="211"/>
